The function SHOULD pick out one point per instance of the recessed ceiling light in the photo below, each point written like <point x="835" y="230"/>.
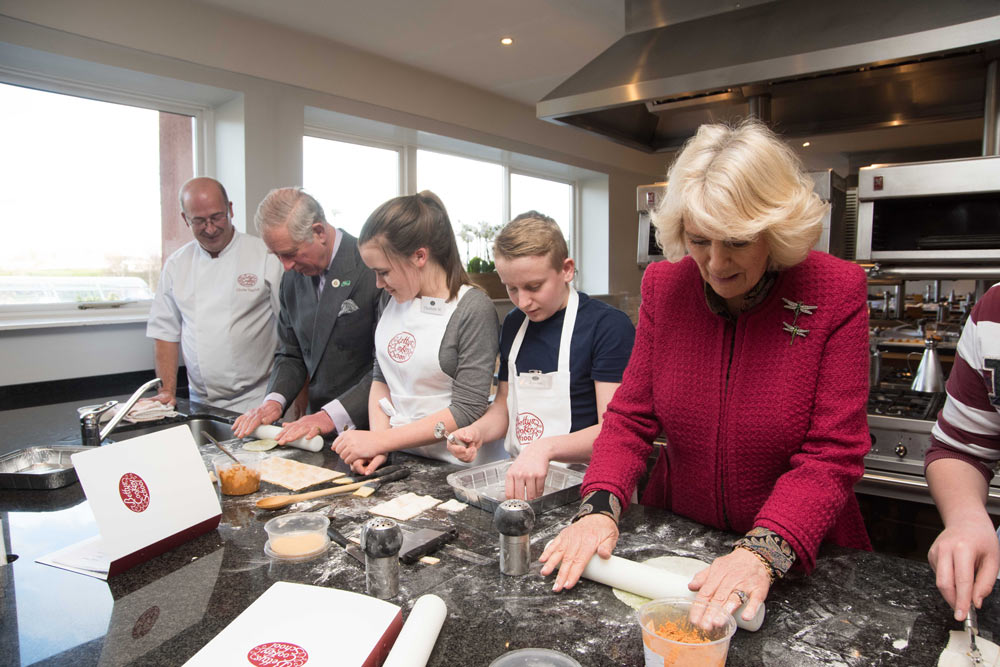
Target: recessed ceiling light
<point x="806" y="144"/>
<point x="506" y="41"/>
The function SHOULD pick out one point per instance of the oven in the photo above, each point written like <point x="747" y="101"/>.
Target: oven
<point x="943" y="212"/>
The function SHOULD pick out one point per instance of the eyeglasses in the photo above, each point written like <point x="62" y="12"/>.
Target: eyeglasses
<point x="216" y="219"/>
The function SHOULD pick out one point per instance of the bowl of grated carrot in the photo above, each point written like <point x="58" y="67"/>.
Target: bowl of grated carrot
<point x="670" y="639"/>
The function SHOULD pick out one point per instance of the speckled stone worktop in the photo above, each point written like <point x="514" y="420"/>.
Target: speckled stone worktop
<point x="856" y="609"/>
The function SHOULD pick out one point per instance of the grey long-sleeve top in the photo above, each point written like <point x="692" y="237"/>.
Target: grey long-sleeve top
<point x="468" y="355"/>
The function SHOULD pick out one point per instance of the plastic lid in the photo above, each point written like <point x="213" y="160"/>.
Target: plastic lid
<point x="534" y="657"/>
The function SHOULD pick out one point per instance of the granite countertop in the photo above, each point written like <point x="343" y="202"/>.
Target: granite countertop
<point x="857" y="608"/>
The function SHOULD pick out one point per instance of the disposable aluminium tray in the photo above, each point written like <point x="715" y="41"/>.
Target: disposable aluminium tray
<point x="39" y="467"/>
<point x="483" y="486"/>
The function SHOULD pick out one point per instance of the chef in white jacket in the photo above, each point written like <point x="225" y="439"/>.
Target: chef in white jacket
<point x="217" y="305"/>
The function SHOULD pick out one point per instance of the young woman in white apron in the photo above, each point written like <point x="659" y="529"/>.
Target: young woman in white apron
<point x="436" y="340"/>
<point x="534" y="409"/>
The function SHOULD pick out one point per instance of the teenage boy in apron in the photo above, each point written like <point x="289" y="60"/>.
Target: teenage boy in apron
<point x="562" y="355"/>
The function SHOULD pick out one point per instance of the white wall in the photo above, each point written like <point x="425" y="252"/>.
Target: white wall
<point x="271" y="74"/>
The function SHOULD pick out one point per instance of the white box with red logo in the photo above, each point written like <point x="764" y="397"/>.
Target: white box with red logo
<point x="148" y="495"/>
<point x="298" y="625"/>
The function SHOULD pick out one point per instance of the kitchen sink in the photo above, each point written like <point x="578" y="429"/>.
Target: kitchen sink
<point x="217" y="427"/>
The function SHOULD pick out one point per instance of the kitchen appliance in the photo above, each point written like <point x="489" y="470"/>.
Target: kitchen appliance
<point x="830" y="187"/>
<point x="943" y="212"/>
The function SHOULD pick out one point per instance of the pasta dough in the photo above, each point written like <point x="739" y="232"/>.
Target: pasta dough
<point x="956" y="653"/>
<point x="687" y="567"/>
<point x="404" y="507"/>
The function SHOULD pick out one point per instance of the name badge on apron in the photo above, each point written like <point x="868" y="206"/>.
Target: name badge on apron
<point x="535" y="380"/>
<point x="432" y="305"/>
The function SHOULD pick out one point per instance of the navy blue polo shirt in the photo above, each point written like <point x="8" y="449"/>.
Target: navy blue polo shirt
<point x="599" y="351"/>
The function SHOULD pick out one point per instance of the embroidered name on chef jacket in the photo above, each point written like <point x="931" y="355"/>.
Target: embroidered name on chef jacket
<point x="247" y="282"/>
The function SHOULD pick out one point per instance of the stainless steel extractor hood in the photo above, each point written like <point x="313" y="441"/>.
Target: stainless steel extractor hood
<point x="809" y="67"/>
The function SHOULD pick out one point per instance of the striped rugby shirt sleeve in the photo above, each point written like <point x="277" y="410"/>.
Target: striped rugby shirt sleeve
<point x="968" y="427"/>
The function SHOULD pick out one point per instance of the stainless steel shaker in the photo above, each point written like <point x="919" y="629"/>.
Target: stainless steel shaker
<point x="514" y="520"/>
<point x="381" y="539"/>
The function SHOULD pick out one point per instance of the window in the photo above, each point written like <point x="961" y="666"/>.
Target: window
<point x="83" y="212"/>
<point x="349" y="180"/>
<point x="552" y="198"/>
<point x="472" y="192"/>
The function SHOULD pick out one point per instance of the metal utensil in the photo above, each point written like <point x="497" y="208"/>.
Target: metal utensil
<point x="224" y="450"/>
<point x="277" y="502"/>
<point x="441" y="433"/>
<point x="972" y="626"/>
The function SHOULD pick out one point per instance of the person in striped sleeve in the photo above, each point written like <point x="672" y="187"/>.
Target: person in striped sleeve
<point x="965" y="444"/>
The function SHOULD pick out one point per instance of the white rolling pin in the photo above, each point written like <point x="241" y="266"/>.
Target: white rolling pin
<point x="270" y="432"/>
<point x="652" y="582"/>
<point x="419" y="634"/>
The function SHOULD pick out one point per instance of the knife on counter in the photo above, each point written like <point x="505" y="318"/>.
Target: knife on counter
<point x="972" y="627"/>
<point x="353" y="550"/>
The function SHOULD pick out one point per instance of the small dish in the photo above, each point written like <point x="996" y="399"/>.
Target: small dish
<point x="297" y="536"/>
<point x="238" y="479"/>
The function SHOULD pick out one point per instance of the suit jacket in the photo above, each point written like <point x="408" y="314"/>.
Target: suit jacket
<point x="329" y="341"/>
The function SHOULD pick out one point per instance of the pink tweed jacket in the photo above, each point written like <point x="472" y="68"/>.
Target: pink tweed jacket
<point x="764" y="427"/>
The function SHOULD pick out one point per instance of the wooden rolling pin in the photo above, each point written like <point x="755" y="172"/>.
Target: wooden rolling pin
<point x="653" y="583"/>
<point x="275" y="502"/>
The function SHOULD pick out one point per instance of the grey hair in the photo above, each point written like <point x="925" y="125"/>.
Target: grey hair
<point x="292" y="208"/>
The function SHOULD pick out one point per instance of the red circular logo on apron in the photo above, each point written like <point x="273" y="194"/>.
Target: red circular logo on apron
<point x="247" y="280"/>
<point x="529" y="427"/>
<point x="401" y="347"/>
<point x="145" y="623"/>
<point x="134" y="492"/>
<point x="278" y="654"/>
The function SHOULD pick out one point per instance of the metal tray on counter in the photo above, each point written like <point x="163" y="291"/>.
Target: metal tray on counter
<point x="39" y="467"/>
<point x="483" y="486"/>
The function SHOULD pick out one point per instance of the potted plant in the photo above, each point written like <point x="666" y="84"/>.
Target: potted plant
<point x="479" y="249"/>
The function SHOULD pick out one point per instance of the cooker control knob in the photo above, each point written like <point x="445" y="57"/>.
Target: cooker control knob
<point x="900" y="450"/>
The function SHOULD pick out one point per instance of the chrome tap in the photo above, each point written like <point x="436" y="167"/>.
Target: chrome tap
<point x="91" y="433"/>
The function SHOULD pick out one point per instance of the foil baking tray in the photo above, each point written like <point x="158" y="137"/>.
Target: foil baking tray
<point x="483" y="486"/>
<point x="39" y="467"/>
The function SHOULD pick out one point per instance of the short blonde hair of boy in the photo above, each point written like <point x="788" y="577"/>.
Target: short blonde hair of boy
<point x="532" y="234"/>
<point x="740" y="183"/>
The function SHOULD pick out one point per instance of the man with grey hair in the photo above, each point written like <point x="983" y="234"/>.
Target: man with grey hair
<point x="217" y="305"/>
<point x="329" y="308"/>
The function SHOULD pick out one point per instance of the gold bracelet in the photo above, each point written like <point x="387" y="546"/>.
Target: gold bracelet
<point x="771" y="572"/>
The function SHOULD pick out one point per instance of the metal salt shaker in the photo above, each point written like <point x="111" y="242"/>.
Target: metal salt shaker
<point x="514" y="520"/>
<point x="381" y="539"/>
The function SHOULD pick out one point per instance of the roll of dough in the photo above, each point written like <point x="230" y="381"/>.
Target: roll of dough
<point x="269" y="431"/>
<point x="419" y="634"/>
<point x="652" y="582"/>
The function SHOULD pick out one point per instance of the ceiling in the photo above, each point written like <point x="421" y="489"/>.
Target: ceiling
<point x="554" y="39"/>
<point x="460" y="39"/>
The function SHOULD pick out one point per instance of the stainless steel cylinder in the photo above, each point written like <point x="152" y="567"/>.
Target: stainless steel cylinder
<point x="380" y="540"/>
<point x="514" y="520"/>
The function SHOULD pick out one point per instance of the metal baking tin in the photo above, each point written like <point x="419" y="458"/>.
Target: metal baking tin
<point x="483" y="486"/>
<point x="39" y="467"/>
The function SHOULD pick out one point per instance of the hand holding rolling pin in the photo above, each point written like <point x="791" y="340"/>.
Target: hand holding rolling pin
<point x="268" y="413"/>
<point x="729" y="581"/>
<point x="572" y="549"/>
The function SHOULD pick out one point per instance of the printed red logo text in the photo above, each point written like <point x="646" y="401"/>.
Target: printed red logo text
<point x="247" y="280"/>
<point x="278" y="654"/>
<point x="134" y="492"/>
<point x="529" y="427"/>
<point x="401" y="347"/>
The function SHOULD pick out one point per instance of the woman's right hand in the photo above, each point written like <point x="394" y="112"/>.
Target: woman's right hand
<point x="467" y="442"/>
<point x="575" y="546"/>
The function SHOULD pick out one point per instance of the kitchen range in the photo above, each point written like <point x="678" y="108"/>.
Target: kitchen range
<point x="857" y="608"/>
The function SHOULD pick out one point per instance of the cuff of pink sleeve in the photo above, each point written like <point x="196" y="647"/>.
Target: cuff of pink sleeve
<point x="338" y="415"/>
<point x="277" y="398"/>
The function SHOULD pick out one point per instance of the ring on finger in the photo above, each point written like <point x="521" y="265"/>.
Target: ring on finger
<point x="741" y="595"/>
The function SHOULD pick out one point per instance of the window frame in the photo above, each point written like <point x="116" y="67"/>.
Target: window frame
<point x="38" y="316"/>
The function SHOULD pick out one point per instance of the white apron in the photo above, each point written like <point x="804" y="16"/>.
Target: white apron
<point x="538" y="404"/>
<point x="407" y="344"/>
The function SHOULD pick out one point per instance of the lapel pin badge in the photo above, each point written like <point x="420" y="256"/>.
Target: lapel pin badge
<point x="335" y="282"/>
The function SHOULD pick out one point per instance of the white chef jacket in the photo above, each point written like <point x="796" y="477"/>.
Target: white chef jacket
<point x="224" y="313"/>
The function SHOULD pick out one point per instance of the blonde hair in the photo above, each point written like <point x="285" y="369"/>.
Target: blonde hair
<point x="740" y="183"/>
<point x="532" y="234"/>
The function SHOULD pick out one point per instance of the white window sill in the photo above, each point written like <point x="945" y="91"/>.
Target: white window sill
<point x="24" y="319"/>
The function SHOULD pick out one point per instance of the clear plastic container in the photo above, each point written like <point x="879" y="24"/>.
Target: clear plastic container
<point x="297" y="536"/>
<point x="534" y="657"/>
<point x="670" y="639"/>
<point x="238" y="479"/>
